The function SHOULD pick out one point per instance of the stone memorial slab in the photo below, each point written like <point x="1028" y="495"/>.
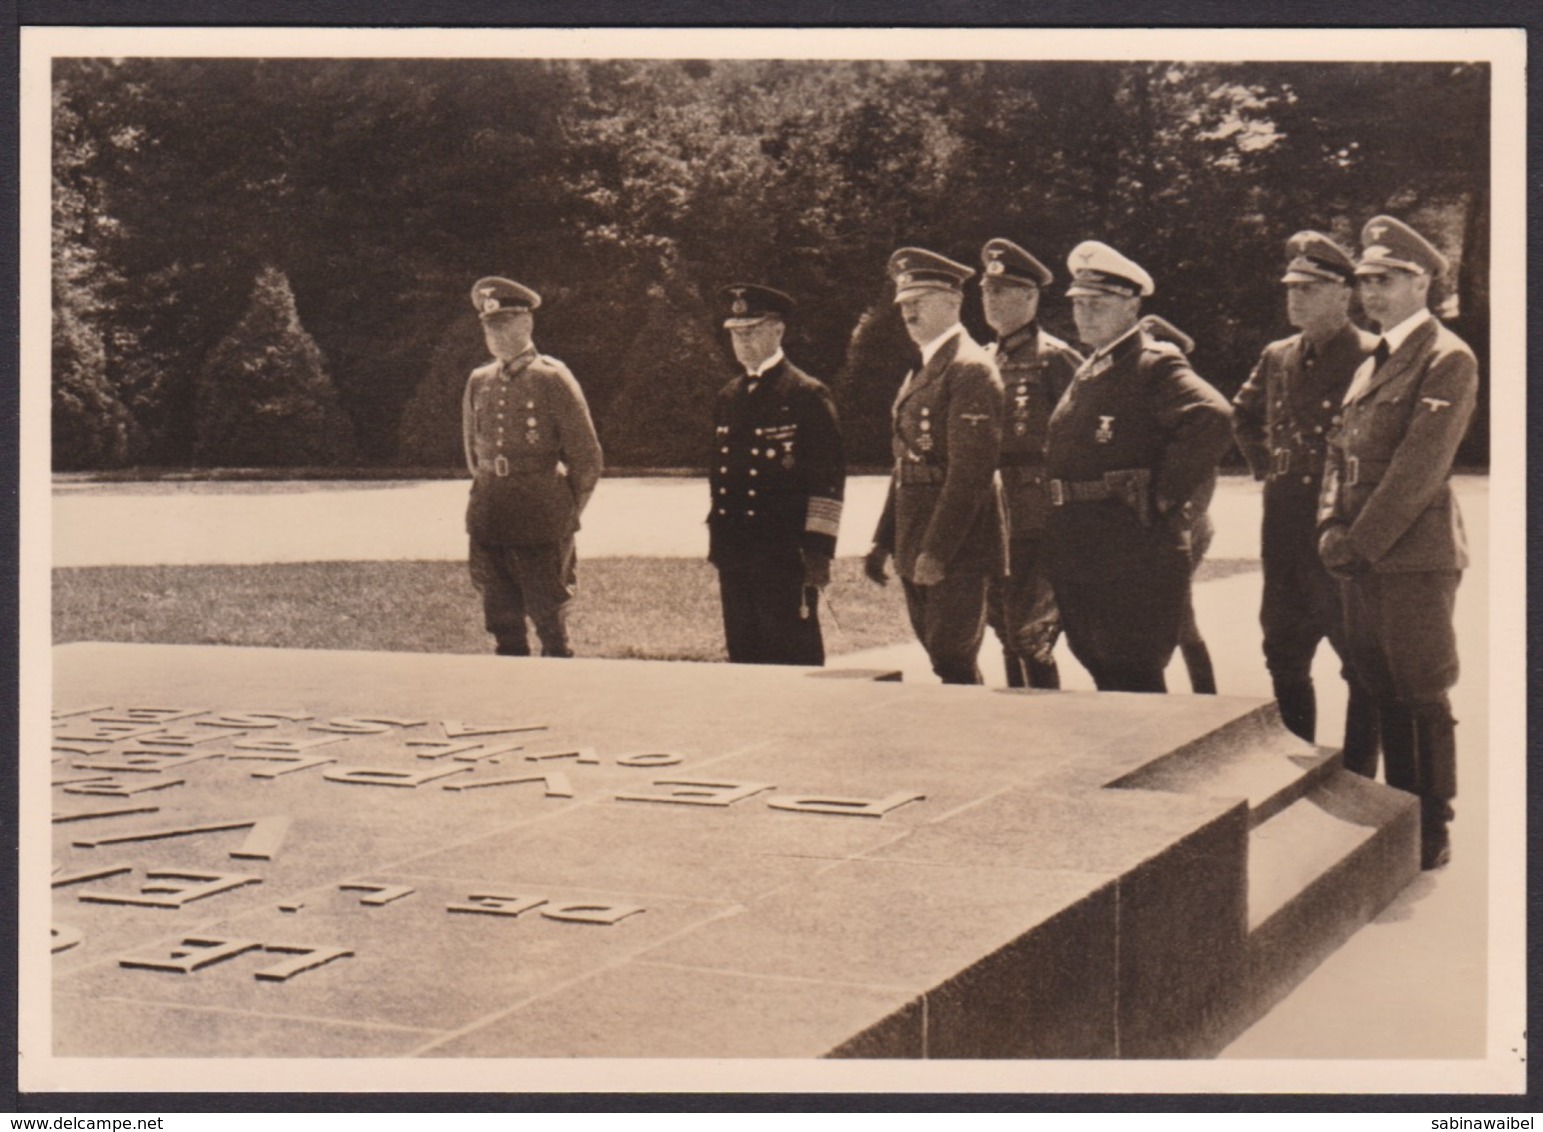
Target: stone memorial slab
<point x="388" y="855"/>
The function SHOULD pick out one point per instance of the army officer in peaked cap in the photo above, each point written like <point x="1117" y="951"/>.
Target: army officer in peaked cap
<point x="1283" y="417"/>
<point x="1390" y="525"/>
<point x="1128" y="447"/>
<point x="777" y="478"/>
<point x="1036" y="367"/>
<point x="534" y="459"/>
<point x="943" y="519"/>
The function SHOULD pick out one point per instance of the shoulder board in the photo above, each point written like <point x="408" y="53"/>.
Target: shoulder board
<point x="1158" y="346"/>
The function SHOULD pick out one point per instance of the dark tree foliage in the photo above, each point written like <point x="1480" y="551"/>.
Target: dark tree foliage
<point x="629" y="191"/>
<point x="263" y="397"/>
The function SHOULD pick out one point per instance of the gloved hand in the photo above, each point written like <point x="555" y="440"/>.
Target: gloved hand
<point x="873" y="566"/>
<point x="1340" y="557"/>
<point x="816" y="569"/>
<point x="929" y="571"/>
<point x="1036" y="640"/>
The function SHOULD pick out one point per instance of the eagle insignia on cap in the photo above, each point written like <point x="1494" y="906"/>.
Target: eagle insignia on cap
<point x="1087" y="256"/>
<point x="1375" y="231"/>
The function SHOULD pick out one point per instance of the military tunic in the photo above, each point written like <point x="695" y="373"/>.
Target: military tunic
<point x="777" y="477"/>
<point x="944" y="500"/>
<point x="1388" y="483"/>
<point x="535" y="459"/>
<point x="1036" y="367"/>
<point x="1137" y="431"/>
<point x="1283" y="417"/>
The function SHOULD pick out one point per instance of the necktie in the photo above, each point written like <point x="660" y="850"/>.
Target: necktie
<point x="1380" y="354"/>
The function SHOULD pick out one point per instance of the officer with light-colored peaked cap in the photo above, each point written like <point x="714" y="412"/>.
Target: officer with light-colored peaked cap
<point x="1036" y="368"/>
<point x="535" y="459"/>
<point x="1128" y="447"/>
<point x="1389" y="524"/>
<point x="942" y="519"/>
<point x="1283" y="417"/>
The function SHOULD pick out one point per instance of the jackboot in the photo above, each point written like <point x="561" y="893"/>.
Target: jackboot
<point x="1298" y="705"/>
<point x="1436" y="764"/>
<point x="1361" y="732"/>
<point x="1197" y="661"/>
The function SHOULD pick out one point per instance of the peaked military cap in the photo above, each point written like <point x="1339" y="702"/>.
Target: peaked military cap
<point x="1097" y="269"/>
<point x="1164" y="331"/>
<point x="917" y="271"/>
<point x="1313" y="258"/>
<point x="1391" y="245"/>
<point x="496" y="295"/>
<point x="1005" y="262"/>
<point x="746" y="304"/>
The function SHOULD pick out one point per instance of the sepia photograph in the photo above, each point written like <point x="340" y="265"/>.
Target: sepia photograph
<point x="766" y="559"/>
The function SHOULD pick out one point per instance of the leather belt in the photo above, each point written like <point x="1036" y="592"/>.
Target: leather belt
<point x="1359" y="471"/>
<point x="503" y="469"/>
<point x="1128" y="486"/>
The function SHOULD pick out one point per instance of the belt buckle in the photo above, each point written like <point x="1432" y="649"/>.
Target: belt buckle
<point x="1352" y="470"/>
<point x="500" y="466"/>
<point x="1282" y="461"/>
<point x="1057" y="493"/>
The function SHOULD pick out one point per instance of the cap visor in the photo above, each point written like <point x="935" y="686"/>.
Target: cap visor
<point x="1299" y="276"/>
<point x="742" y="323"/>
<point x="925" y="289"/>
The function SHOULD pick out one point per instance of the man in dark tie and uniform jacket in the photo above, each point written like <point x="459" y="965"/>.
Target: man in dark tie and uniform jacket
<point x="943" y="519"/>
<point x="1128" y="447"/>
<point x="534" y="459"/>
<point x="1036" y="367"/>
<point x="1389" y="524"/>
<point x="777" y="478"/>
<point x="1283" y="417"/>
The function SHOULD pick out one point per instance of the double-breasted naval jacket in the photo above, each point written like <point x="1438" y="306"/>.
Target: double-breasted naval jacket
<point x="943" y="495"/>
<point x="1390" y="462"/>
<point x="1036" y="368"/>
<point x="778" y="470"/>
<point x="531" y="449"/>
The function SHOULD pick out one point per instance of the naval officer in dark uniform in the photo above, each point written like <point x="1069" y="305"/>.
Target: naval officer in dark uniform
<point x="1283" y="417"/>
<point x="1390" y="525"/>
<point x="778" y="474"/>
<point x="534" y="459"/>
<point x="1036" y="367"/>
<point x="943" y="520"/>
<point x="1128" y="447"/>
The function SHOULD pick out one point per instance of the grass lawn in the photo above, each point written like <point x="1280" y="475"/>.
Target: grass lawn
<point x="649" y="608"/>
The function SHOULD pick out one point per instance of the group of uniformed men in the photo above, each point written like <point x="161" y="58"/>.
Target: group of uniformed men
<point x="1039" y="491"/>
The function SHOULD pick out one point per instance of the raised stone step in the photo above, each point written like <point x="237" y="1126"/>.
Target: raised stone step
<point x="1320" y="870"/>
<point x="1252" y="757"/>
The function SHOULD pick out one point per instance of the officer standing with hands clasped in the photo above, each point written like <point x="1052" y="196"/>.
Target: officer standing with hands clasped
<point x="1283" y="417"/>
<point x="534" y="459"/>
<point x="1389" y="524"/>
<point x="777" y="478"/>
<point x="1036" y="367"/>
<point x="943" y="519"/>
<point x="1130" y="443"/>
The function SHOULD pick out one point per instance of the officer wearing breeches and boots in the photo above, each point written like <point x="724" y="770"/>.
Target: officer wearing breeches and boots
<point x="535" y="459"/>
<point x="1036" y="367"/>
<point x="1283" y="417"/>
<point x="1389" y="523"/>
